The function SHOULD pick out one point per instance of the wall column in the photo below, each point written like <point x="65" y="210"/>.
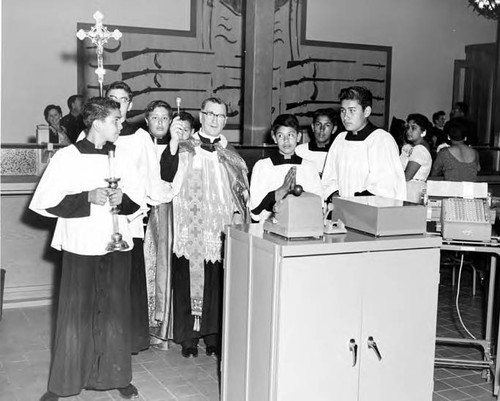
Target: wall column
<point x="258" y="73"/>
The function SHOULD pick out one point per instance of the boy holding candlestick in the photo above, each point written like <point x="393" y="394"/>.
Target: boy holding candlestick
<point x="142" y="157"/>
<point x="92" y="340"/>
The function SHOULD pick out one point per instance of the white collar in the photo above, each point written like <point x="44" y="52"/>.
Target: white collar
<point x="223" y="139"/>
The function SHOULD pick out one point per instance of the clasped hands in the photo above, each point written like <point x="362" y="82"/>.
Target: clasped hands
<point x="288" y="184"/>
<point x="285" y="188"/>
<point x="100" y="196"/>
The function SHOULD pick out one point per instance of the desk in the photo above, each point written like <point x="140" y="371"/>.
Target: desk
<point x="488" y="364"/>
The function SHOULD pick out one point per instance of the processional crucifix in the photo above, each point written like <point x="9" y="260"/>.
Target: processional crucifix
<point x="99" y="35"/>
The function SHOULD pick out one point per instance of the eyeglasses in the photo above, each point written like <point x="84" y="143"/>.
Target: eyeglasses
<point x="209" y="114"/>
<point x="120" y="100"/>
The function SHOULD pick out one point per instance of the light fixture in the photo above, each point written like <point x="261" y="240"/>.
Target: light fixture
<point x="487" y="8"/>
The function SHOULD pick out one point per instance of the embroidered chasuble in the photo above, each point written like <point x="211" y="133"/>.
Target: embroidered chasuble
<point x="213" y="187"/>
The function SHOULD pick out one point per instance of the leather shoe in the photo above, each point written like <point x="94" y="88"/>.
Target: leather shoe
<point x="189" y="352"/>
<point x="129" y="393"/>
<point x="211" y="350"/>
<point x="48" y="396"/>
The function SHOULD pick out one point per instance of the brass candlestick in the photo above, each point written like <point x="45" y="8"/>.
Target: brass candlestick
<point x="117" y="242"/>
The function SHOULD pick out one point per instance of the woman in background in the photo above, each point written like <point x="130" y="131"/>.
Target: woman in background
<point x="416" y="157"/>
<point x="458" y="162"/>
<point x="57" y="133"/>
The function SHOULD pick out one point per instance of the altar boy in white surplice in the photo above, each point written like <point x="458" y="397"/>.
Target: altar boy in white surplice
<point x="364" y="159"/>
<point x="93" y="328"/>
<point x="274" y="177"/>
<point x="143" y="158"/>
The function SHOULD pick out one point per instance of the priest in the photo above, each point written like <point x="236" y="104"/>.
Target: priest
<point x="212" y="192"/>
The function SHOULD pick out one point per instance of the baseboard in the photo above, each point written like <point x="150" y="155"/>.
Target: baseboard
<point x="27" y="296"/>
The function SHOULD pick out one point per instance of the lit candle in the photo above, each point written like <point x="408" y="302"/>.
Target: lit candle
<point x="178" y="103"/>
<point x="111" y="159"/>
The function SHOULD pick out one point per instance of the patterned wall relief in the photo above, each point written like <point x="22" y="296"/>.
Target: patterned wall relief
<point x="208" y="60"/>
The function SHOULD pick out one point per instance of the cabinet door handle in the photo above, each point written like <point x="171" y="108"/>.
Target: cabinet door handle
<point x="353" y="347"/>
<point x="373" y="345"/>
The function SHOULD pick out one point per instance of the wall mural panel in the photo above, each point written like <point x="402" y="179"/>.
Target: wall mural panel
<point x="207" y="60"/>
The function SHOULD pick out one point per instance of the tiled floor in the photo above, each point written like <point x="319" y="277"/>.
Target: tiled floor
<point x="165" y="375"/>
<point x="452" y="384"/>
<point x="159" y="375"/>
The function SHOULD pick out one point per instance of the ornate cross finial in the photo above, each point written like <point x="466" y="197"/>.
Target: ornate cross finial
<point x="99" y="35"/>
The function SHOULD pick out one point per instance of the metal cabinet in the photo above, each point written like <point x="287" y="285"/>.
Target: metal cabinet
<point x="348" y="317"/>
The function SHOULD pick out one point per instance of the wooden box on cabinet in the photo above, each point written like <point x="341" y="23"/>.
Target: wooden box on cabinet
<point x="295" y="312"/>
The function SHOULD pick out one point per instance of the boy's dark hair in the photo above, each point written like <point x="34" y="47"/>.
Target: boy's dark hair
<point x="329" y="113"/>
<point x="457" y="129"/>
<point x="50" y="107"/>
<point x="286" y="120"/>
<point x="213" y="99"/>
<point x="72" y="100"/>
<point x="119" y="85"/>
<point x="421" y="120"/>
<point x="158" y="103"/>
<point x="463" y="107"/>
<point x="185" y="116"/>
<point x="98" y="108"/>
<point x="359" y="93"/>
<point x="437" y="114"/>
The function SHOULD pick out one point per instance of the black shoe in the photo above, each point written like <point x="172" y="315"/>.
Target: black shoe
<point x="212" y="350"/>
<point x="189" y="352"/>
<point x="48" y="396"/>
<point x="129" y="393"/>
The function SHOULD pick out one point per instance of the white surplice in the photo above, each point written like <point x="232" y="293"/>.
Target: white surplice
<point x="371" y="164"/>
<point x="268" y="176"/>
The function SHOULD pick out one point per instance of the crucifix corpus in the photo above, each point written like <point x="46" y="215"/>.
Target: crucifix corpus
<point x="99" y="35"/>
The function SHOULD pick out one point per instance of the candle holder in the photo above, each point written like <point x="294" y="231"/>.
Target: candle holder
<point x="117" y="242"/>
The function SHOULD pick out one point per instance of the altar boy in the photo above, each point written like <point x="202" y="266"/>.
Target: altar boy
<point x="324" y="127"/>
<point x="274" y="177"/>
<point x="141" y="149"/>
<point x="364" y="159"/>
<point x="92" y="340"/>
